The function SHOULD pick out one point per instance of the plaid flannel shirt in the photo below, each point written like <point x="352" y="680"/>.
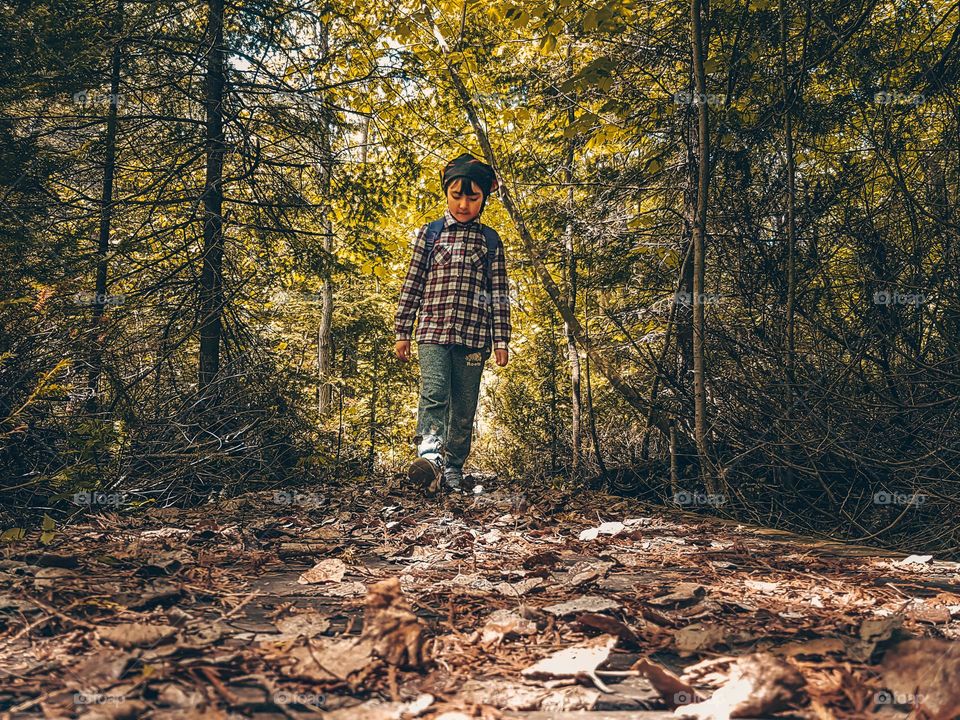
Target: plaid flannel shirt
<point x="451" y="298"/>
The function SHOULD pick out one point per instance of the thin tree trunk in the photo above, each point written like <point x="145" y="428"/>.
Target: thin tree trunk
<point x="374" y="397"/>
<point x="325" y="332"/>
<point x="594" y="436"/>
<point x="571" y="266"/>
<point x="211" y="278"/>
<point x="553" y="397"/>
<point x="106" y="208"/>
<point x="700" y="249"/>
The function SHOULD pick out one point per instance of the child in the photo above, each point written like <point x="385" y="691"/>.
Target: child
<point x="457" y="281"/>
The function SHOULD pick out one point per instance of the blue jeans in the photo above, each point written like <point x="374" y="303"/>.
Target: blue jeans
<point x="449" y="389"/>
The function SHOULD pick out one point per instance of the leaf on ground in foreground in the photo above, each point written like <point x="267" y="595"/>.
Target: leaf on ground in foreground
<point x="99" y="670"/>
<point x="699" y="636"/>
<point x="328" y="659"/>
<point x="929" y="669"/>
<point x="873" y="631"/>
<point x="308" y="624"/>
<point x="502" y="623"/>
<point x="388" y="622"/>
<point x="329" y="570"/>
<point x="584" y="603"/>
<point x="518" y="588"/>
<point x="608" y="625"/>
<point x="125" y="710"/>
<point x="682" y="594"/>
<point x="760" y="684"/>
<point x="671" y="688"/>
<point x="378" y="710"/>
<point x="130" y="635"/>
<point x="574" y="661"/>
<point x="347" y="589"/>
<point x="607" y="528"/>
<point x="514" y="696"/>
<point x="586" y="571"/>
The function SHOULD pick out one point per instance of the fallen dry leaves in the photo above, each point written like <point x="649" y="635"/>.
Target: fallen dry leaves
<point x="359" y="604"/>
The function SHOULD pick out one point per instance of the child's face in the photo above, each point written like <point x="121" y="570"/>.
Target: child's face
<point x="462" y="206"/>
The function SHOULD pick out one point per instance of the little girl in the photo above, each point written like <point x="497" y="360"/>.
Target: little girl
<point x="457" y="282"/>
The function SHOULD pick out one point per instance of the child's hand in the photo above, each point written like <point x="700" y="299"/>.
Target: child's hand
<point x="403" y="349"/>
<point x="502" y="356"/>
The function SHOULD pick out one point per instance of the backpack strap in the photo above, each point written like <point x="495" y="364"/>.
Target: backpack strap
<point x="493" y="242"/>
<point x="433" y="232"/>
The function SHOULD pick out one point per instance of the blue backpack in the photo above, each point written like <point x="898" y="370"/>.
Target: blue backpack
<point x="489" y="234"/>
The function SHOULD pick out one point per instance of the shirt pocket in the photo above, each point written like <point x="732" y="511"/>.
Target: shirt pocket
<point x="442" y="255"/>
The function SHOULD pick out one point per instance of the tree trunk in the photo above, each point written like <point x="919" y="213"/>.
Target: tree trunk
<point x="591" y="412"/>
<point x="571" y="267"/>
<point x="700" y="249"/>
<point x="106" y="207"/>
<point x="325" y="332"/>
<point x="211" y="277"/>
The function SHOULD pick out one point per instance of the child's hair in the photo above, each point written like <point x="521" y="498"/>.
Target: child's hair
<point x="467" y="186"/>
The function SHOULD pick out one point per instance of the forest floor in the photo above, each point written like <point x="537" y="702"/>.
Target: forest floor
<point x="372" y="602"/>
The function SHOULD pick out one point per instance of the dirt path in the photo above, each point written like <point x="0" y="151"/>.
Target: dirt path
<point x="363" y="604"/>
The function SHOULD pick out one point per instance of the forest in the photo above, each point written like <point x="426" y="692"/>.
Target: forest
<point x="730" y="231"/>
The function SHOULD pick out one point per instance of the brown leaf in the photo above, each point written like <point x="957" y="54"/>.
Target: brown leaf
<point x="515" y="696"/>
<point x="396" y="633"/>
<point x="332" y="659"/>
<point x="126" y="710"/>
<point x="609" y="625"/>
<point x="760" y="684"/>
<point x="307" y="624"/>
<point x="671" y="688"/>
<point x="130" y="635"/>
<point x="519" y="588"/>
<point x="683" y="594"/>
<point x="547" y="558"/>
<point x="329" y="570"/>
<point x="926" y="671"/>
<point x="99" y="670"/>
<point x="582" y="659"/>
<point x="585" y="603"/>
<point x="501" y="624"/>
<point x="699" y="636"/>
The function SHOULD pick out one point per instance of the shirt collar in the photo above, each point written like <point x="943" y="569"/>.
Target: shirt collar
<point x="449" y="220"/>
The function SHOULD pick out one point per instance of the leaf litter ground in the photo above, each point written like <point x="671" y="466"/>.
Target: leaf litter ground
<point x="372" y="603"/>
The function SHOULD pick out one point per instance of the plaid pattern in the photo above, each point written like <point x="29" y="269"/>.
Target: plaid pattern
<point x="451" y="298"/>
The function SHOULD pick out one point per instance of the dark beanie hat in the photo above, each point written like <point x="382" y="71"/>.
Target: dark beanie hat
<point x="466" y="165"/>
